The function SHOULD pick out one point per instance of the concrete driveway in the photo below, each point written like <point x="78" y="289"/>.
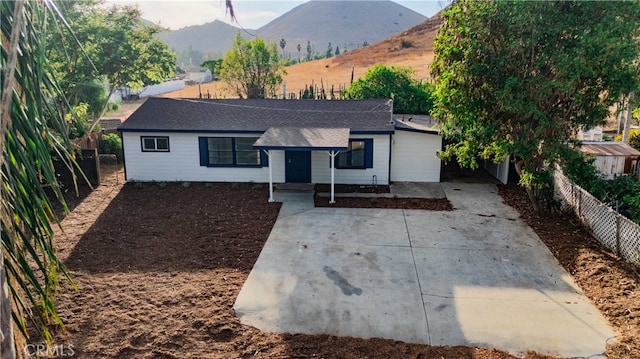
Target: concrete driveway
<point x="475" y="276"/>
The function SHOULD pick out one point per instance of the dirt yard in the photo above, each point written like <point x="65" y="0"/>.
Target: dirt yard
<point x="158" y="267"/>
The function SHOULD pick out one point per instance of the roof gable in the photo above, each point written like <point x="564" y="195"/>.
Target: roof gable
<point x="258" y="115"/>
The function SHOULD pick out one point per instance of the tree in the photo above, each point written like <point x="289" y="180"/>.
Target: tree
<point x="113" y="44"/>
<point x="329" y="51"/>
<point x="283" y="43"/>
<point x="213" y="66"/>
<point x="32" y="128"/>
<point x="252" y="68"/>
<point x="299" y="48"/>
<point x="309" y="50"/>
<point x="337" y="51"/>
<point x="519" y="78"/>
<point x="397" y="83"/>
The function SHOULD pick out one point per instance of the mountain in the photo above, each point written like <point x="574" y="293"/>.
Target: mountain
<point x="343" y="23"/>
<point x="347" y="24"/>
<point x="411" y="48"/>
<point x="213" y="38"/>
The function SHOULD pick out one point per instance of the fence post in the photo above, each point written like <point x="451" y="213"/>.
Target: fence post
<point x="618" y="235"/>
<point x="579" y="204"/>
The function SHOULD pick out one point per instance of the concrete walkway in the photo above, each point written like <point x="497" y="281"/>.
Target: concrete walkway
<point x="475" y="276"/>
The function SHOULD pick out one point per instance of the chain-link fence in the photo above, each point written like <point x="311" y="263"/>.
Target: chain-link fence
<point x="614" y="230"/>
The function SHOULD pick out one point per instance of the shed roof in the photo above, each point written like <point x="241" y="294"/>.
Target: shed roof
<point x="258" y="115"/>
<point x="416" y="123"/>
<point x="292" y="138"/>
<point x="608" y="149"/>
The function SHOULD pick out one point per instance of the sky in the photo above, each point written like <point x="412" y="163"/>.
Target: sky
<point x="176" y="14"/>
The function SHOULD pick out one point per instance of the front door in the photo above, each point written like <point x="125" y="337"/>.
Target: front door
<point x="297" y="166"/>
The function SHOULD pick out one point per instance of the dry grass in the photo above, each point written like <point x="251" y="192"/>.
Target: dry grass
<point x="336" y="71"/>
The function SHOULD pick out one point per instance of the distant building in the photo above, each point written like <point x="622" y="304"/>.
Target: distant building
<point x="592" y="135"/>
<point x="612" y="158"/>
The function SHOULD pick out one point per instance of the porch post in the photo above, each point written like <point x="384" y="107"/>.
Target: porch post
<point x="271" y="199"/>
<point x="332" y="154"/>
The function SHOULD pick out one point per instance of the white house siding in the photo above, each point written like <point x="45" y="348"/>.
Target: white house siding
<point x="413" y="157"/>
<point x="498" y="170"/>
<point x="182" y="162"/>
<point x="321" y="170"/>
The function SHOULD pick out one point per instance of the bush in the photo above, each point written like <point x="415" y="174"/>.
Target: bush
<point x="621" y="193"/>
<point x="111" y="144"/>
<point x="398" y="83"/>
<point x="634" y="138"/>
<point x="405" y="44"/>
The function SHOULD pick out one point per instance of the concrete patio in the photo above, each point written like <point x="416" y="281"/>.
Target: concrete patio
<point x="475" y="276"/>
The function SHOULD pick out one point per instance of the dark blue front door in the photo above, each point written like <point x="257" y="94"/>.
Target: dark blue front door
<point x="297" y="166"/>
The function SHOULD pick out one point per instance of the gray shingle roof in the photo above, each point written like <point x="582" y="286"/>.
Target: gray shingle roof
<point x="418" y="123"/>
<point x="257" y="115"/>
<point x="304" y="138"/>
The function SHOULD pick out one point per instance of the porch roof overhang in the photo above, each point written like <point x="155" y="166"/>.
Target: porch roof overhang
<point x="304" y="139"/>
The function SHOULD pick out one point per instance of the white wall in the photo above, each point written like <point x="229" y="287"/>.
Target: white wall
<point x="182" y="162"/>
<point x="167" y="86"/>
<point x="610" y="166"/>
<point x="321" y="169"/>
<point x="498" y="170"/>
<point x="413" y="157"/>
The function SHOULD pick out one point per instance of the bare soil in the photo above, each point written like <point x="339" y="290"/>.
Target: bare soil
<point x="158" y="268"/>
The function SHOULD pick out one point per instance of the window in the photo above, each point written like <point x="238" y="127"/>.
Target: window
<point x="155" y="144"/>
<point x="230" y="152"/>
<point x="220" y="151"/>
<point x="246" y="155"/>
<point x="359" y="155"/>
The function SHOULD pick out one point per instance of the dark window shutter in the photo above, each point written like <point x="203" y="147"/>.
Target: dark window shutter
<point x="204" y="151"/>
<point x="368" y="153"/>
<point x="264" y="159"/>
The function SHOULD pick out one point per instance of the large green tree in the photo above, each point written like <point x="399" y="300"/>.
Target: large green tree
<point x="397" y="83"/>
<point x="106" y="46"/>
<point x="252" y="68"/>
<point x="518" y="78"/>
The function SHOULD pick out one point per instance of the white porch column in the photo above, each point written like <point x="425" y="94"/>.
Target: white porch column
<point x="271" y="199"/>
<point x="333" y="155"/>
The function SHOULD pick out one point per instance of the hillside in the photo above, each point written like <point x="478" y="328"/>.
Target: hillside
<point x="213" y="37"/>
<point x="411" y="48"/>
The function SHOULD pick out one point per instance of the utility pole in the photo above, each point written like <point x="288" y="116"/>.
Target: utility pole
<point x="627" y="122"/>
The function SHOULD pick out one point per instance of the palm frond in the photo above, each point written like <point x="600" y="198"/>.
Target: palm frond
<point x="32" y="130"/>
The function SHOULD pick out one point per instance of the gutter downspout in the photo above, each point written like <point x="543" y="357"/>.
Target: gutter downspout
<point x="392" y="123"/>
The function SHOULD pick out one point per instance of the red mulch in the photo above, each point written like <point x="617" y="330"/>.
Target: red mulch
<point x="352" y="188"/>
<point x="429" y="204"/>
